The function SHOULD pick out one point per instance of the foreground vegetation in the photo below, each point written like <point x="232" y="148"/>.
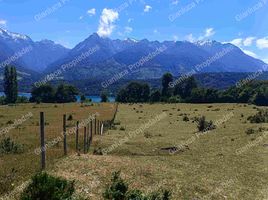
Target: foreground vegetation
<point x="18" y="141"/>
<point x="169" y="155"/>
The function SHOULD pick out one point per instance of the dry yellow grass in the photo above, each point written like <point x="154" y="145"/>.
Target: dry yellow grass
<point x="15" y="168"/>
<point x="209" y="168"/>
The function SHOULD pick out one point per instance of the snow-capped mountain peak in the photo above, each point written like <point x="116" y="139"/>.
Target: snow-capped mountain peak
<point x="10" y="35"/>
<point x="206" y="42"/>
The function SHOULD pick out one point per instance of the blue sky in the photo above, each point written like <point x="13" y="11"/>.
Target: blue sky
<point x="68" y="22"/>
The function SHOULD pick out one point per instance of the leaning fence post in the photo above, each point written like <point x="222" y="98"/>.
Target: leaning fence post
<point x="42" y="139"/>
<point x="64" y="135"/>
<point x="85" y="140"/>
<point x="77" y="136"/>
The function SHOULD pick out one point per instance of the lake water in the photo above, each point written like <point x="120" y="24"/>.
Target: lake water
<point x="95" y="99"/>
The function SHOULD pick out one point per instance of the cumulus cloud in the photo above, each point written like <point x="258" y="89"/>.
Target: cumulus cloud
<point x="106" y="23"/>
<point x="237" y="42"/>
<point x="91" y="12"/>
<point x="3" y="22"/>
<point x="262" y="43"/>
<point x="248" y="41"/>
<point x="147" y="8"/>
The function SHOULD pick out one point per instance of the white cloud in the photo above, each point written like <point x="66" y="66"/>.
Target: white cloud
<point x="237" y="42"/>
<point x="147" y="8"/>
<point x="155" y="31"/>
<point x="175" y="2"/>
<point x="130" y="20"/>
<point x="81" y="17"/>
<point x="208" y="33"/>
<point x="250" y="53"/>
<point x="3" y="22"/>
<point x="262" y="43"/>
<point x="190" y="38"/>
<point x="91" y="12"/>
<point x="128" y="29"/>
<point x="106" y="23"/>
<point x="248" y="41"/>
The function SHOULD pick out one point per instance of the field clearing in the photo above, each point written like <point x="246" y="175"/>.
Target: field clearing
<point x="208" y="168"/>
<point x="16" y="168"/>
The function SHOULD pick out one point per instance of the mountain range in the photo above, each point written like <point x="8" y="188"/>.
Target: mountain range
<point x="109" y="57"/>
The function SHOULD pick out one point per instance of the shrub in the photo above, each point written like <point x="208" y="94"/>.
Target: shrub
<point x="98" y="151"/>
<point x="203" y="125"/>
<point x="119" y="190"/>
<point x="260" y="117"/>
<point x="122" y="128"/>
<point x="10" y="122"/>
<point x="70" y="118"/>
<point x="250" y="131"/>
<point x="174" y="99"/>
<point x="185" y="118"/>
<point x="8" y="146"/>
<point x="44" y="186"/>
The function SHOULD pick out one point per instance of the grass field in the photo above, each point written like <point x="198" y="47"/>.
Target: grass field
<point x="225" y="163"/>
<point x="16" y="168"/>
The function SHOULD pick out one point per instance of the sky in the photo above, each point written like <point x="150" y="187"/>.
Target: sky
<point x="68" y="22"/>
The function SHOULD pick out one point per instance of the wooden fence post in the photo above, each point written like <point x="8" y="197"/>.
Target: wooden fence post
<point x="77" y="136"/>
<point x="85" y="140"/>
<point x="98" y="125"/>
<point x="102" y="126"/>
<point x="91" y="131"/>
<point x="95" y="126"/>
<point x="42" y="140"/>
<point x="64" y="135"/>
<point x="88" y="137"/>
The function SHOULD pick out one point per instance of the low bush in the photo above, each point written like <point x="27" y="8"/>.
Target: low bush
<point x="70" y="118"/>
<point x="98" y="151"/>
<point x="122" y="128"/>
<point x="250" y="131"/>
<point x="8" y="146"/>
<point x="185" y="118"/>
<point x="119" y="190"/>
<point x="174" y="99"/>
<point x="203" y="125"/>
<point x="44" y="187"/>
<point x="260" y="117"/>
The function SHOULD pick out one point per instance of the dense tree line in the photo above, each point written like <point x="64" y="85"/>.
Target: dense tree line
<point x="188" y="91"/>
<point x="64" y="93"/>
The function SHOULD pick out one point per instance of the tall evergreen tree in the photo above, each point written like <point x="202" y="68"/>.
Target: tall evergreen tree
<point x="10" y="84"/>
<point x="166" y="79"/>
